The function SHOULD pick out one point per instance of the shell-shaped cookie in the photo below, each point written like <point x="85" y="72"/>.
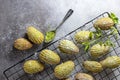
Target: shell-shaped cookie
<point x="35" y="35"/>
<point x="33" y="66"/>
<point x="104" y="23"/>
<point x="22" y="44"/>
<point x="68" y="47"/>
<point x="49" y="56"/>
<point x="93" y="66"/>
<point x="82" y="36"/>
<point x="111" y="62"/>
<point x="98" y="50"/>
<point x="83" y="76"/>
<point x="63" y="70"/>
<point x="66" y="79"/>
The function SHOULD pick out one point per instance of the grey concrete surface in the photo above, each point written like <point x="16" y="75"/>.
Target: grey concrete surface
<point x="16" y="15"/>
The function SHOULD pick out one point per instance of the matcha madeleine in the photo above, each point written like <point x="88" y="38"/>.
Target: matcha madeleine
<point x="67" y="79"/>
<point x="93" y="66"/>
<point x="83" y="76"/>
<point x="22" y="44"/>
<point x="33" y="66"/>
<point x="83" y="36"/>
<point x="68" y="47"/>
<point x="63" y="70"/>
<point x="111" y="62"/>
<point x="49" y="56"/>
<point x="98" y="50"/>
<point x="104" y="23"/>
<point x="35" y="35"/>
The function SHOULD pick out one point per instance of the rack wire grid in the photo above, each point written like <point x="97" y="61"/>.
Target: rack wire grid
<point x="16" y="71"/>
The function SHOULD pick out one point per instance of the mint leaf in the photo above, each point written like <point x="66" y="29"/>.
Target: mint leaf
<point x="91" y="35"/>
<point x="109" y="43"/>
<point x="100" y="43"/>
<point x="98" y="32"/>
<point x="87" y="45"/>
<point x="114" y="18"/>
<point x="114" y="31"/>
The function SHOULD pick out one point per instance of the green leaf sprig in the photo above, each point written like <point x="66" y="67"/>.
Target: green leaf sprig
<point x="98" y="32"/>
<point x="109" y="43"/>
<point x="91" y="35"/>
<point x="88" y="44"/>
<point x="114" y="31"/>
<point x="114" y="18"/>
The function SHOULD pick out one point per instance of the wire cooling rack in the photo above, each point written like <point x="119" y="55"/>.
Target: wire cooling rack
<point x="16" y="72"/>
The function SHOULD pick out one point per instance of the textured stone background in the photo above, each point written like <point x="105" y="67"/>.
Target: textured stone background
<point x="16" y="15"/>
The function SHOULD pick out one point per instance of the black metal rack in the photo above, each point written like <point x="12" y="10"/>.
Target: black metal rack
<point x="16" y="72"/>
